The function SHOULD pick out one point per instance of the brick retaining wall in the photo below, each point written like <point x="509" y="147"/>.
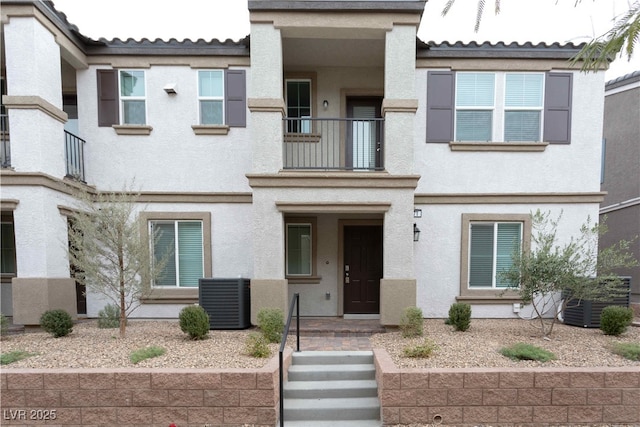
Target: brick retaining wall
<point x="237" y="397"/>
<point x="140" y="397"/>
<point x="517" y="396"/>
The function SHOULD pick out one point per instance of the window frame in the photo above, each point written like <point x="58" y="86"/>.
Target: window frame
<point x="122" y="99"/>
<point x="202" y="98"/>
<point x="499" y="108"/>
<point x="311" y="77"/>
<point x="539" y="109"/>
<point x="488" y="294"/>
<point x="302" y="278"/>
<point x="176" y="248"/>
<point x="7" y="220"/>
<point x="492" y="108"/>
<point x="175" y="294"/>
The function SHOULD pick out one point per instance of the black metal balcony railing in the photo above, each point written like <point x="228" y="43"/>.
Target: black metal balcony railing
<point x="333" y="144"/>
<point x="74" y="156"/>
<point x="5" y="150"/>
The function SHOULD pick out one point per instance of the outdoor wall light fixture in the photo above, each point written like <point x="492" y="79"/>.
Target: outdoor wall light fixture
<point x="417" y="213"/>
<point x="325" y="104"/>
<point x="416" y="233"/>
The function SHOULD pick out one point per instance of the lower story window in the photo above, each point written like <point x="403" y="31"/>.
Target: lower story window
<point x="180" y="246"/>
<point x="8" y="249"/>
<point x="299" y="254"/>
<point x="491" y="248"/>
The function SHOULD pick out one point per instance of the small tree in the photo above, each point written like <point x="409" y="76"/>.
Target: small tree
<point x="107" y="249"/>
<point x="565" y="275"/>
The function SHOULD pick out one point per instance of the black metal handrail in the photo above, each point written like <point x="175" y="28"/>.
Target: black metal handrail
<point x="320" y="143"/>
<point x="74" y="154"/>
<point x="295" y="302"/>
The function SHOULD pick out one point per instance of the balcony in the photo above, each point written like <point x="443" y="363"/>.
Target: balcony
<point x="74" y="156"/>
<point x="5" y="150"/>
<point x="312" y="143"/>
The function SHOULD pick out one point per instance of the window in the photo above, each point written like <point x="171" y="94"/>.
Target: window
<point x="180" y="245"/>
<point x="486" y="248"/>
<point x="132" y="97"/>
<point x="476" y="110"/>
<point x="523" y="106"/>
<point x="519" y="107"/>
<point x="299" y="253"/>
<point x="211" y="97"/>
<point x="300" y="250"/>
<point x="491" y="246"/>
<point x="298" y="95"/>
<point x="8" y="246"/>
<point x="474" y="106"/>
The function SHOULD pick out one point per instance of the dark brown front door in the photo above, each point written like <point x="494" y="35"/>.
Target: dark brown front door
<point x="363" y="269"/>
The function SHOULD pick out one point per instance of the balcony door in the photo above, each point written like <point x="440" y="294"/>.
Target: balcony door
<point x="364" y="133"/>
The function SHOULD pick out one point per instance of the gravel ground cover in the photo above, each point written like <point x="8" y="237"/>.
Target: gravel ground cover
<point x="90" y="347"/>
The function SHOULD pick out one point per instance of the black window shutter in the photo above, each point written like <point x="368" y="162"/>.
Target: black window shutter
<point x="107" y="97"/>
<point x="440" y="105"/>
<point x="557" y="108"/>
<point x="235" y="98"/>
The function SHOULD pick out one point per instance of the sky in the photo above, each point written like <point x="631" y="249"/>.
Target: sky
<point x="519" y="21"/>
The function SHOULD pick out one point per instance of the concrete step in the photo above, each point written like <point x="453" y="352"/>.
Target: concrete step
<point x="356" y="408"/>
<point x="327" y="389"/>
<point x="332" y="357"/>
<point x="333" y="423"/>
<point x="331" y="372"/>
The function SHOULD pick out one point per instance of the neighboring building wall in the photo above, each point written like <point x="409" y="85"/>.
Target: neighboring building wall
<point x="621" y="175"/>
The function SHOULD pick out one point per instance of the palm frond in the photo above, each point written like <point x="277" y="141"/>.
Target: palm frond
<point x="621" y="38"/>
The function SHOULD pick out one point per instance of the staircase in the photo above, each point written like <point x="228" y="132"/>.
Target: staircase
<point x="332" y="388"/>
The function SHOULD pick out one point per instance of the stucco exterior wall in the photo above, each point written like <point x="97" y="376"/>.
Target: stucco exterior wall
<point x="570" y="167"/>
<point x="172" y="158"/>
<point x="438" y="253"/>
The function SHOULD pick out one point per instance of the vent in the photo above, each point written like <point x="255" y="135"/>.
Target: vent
<point x="227" y="302"/>
<point x="587" y="313"/>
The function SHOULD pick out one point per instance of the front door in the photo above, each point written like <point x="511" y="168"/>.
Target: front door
<point x="363" y="269"/>
<point x="364" y="133"/>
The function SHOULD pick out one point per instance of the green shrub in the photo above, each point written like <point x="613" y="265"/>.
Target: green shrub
<point x="411" y="322"/>
<point x="14" y="356"/>
<point x="271" y="323"/>
<point x="628" y="350"/>
<point x="523" y="351"/>
<point x="257" y="345"/>
<point x="423" y="350"/>
<point x="109" y="317"/>
<point x="194" y="321"/>
<point x="57" y="322"/>
<point x="460" y="316"/>
<point x="615" y="319"/>
<point x="146" y="353"/>
<point x="4" y="325"/>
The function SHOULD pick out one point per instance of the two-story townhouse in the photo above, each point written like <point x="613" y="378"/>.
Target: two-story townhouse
<point x="620" y="177"/>
<point x="330" y="153"/>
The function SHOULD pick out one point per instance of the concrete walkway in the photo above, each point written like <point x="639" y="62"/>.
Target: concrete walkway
<point x="335" y="333"/>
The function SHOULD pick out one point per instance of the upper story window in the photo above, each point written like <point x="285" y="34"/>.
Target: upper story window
<point x="475" y="103"/>
<point x="211" y="97"/>
<point x="523" y="105"/>
<point x="132" y="97"/>
<point x="499" y="107"/>
<point x="221" y="94"/>
<point x="298" y="95"/>
<point x="508" y="108"/>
